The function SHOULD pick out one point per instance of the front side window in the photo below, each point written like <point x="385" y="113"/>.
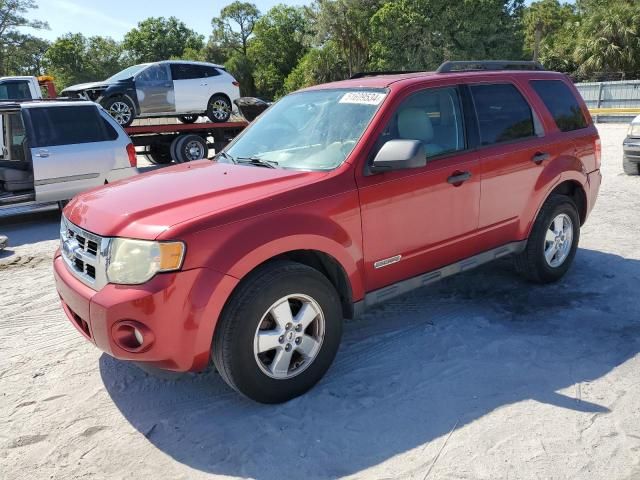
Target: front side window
<point x="311" y="130"/>
<point x="561" y="103"/>
<point x="154" y="74"/>
<point x="503" y="113"/>
<point x="432" y="116"/>
<point x="66" y="125"/>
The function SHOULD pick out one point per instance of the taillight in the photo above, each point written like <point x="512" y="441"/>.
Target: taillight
<point x="131" y="152"/>
<point x="236" y="83"/>
<point x="598" y="151"/>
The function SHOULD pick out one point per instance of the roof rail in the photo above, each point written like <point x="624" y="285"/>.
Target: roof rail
<point x="471" y="65"/>
<point x="375" y="74"/>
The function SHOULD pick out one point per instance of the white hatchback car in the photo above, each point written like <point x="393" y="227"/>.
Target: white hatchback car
<point x="182" y="89"/>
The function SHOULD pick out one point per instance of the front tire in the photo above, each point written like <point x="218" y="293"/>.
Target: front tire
<point x="279" y="333"/>
<point x="121" y="109"/>
<point x="219" y="109"/>
<point x="629" y="167"/>
<point x="553" y="242"/>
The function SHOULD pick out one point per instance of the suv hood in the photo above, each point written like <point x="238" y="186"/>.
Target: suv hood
<point x="147" y="205"/>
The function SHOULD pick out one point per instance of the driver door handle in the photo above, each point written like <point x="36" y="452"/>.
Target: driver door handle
<point x="539" y="157"/>
<point x="42" y="153"/>
<point x="458" y="178"/>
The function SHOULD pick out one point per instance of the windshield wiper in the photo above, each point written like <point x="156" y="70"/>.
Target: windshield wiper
<point x="227" y="156"/>
<point x="257" y="161"/>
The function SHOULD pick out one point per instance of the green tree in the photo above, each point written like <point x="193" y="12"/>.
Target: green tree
<point x="347" y="24"/>
<point x="544" y="21"/>
<point x="420" y="34"/>
<point x="233" y="28"/>
<point x="26" y="58"/>
<point x="277" y="47"/>
<point x="12" y="19"/>
<point x="159" y="38"/>
<point x="73" y="58"/>
<point x="609" y="39"/>
<point x="319" y="65"/>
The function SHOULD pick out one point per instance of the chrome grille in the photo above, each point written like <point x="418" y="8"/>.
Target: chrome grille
<point x="85" y="254"/>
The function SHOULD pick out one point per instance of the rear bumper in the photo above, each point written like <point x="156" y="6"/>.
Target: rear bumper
<point x="594" y="180"/>
<point x="177" y="313"/>
<point x="121" y="173"/>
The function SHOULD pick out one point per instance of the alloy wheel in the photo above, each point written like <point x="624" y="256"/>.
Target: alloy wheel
<point x="558" y="240"/>
<point x="289" y="336"/>
<point x="121" y="112"/>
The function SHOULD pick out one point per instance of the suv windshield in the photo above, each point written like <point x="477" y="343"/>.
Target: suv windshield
<point x="311" y="130"/>
<point x="127" y="73"/>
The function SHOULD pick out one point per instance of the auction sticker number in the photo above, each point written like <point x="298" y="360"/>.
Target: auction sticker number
<point x="363" y="98"/>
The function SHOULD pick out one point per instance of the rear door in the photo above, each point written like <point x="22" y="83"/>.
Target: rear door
<point x="71" y="148"/>
<point x="155" y="91"/>
<point x="190" y="87"/>
<point x="512" y="151"/>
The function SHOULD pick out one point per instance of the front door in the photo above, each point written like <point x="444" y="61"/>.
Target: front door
<point x="416" y="220"/>
<point x="155" y="91"/>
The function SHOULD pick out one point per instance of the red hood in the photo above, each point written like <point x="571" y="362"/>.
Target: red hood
<point x="146" y="205"/>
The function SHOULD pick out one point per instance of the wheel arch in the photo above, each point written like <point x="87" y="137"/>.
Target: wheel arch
<point x="114" y="95"/>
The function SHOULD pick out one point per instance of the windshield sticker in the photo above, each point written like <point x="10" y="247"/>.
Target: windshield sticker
<point x="363" y="98"/>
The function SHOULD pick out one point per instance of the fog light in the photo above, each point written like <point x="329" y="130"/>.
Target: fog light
<point x="132" y="336"/>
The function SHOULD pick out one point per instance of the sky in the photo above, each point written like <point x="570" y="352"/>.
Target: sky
<point x="114" y="18"/>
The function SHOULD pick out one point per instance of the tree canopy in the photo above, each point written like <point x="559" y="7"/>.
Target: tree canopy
<point x="287" y="48"/>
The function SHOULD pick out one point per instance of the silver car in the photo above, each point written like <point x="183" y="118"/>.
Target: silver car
<point x="52" y="150"/>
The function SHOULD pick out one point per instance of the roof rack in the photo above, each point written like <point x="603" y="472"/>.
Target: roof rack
<point x="479" y="65"/>
<point x="375" y="74"/>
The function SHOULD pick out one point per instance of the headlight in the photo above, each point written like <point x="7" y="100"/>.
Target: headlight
<point x="634" y="130"/>
<point x="133" y="262"/>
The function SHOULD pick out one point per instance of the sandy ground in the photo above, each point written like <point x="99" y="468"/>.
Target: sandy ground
<point x="482" y="376"/>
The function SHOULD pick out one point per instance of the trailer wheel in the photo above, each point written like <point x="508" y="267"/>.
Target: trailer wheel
<point x="188" y="118"/>
<point x="189" y="148"/>
<point x="159" y="154"/>
<point x="219" y="108"/>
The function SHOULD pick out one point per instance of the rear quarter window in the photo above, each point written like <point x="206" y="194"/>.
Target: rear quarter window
<point x="503" y="113"/>
<point x="561" y="103"/>
<point x="52" y="126"/>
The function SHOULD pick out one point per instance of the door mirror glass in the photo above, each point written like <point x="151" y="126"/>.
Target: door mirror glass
<point x="398" y="155"/>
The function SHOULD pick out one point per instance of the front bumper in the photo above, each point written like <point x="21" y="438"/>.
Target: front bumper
<point x="631" y="149"/>
<point x="178" y="311"/>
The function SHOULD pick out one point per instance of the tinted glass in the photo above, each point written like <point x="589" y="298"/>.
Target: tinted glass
<point x="66" y="126"/>
<point x="206" y="71"/>
<point x="432" y="116"/>
<point x="184" y="71"/>
<point x="561" y="103"/>
<point x="503" y="113"/>
<point x="109" y="130"/>
<point x="155" y="73"/>
<point x="14" y="91"/>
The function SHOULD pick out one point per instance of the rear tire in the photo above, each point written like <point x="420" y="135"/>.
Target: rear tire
<point x="189" y="148"/>
<point x="159" y="154"/>
<point x="629" y="167"/>
<point x="548" y="256"/>
<point x="279" y="333"/>
<point x="121" y="109"/>
<point x="219" y="109"/>
<point x="188" y="118"/>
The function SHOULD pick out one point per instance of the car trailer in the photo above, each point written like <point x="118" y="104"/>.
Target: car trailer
<point x="182" y="142"/>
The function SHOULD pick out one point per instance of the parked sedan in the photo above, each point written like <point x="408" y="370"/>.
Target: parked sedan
<point x="631" y="148"/>
<point x="182" y="89"/>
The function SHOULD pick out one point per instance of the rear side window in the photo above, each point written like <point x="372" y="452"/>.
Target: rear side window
<point x="187" y="71"/>
<point x="66" y="125"/>
<point x="503" y="113"/>
<point x="109" y="130"/>
<point x="17" y="90"/>
<point x="561" y="103"/>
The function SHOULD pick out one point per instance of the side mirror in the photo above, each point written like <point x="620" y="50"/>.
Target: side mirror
<point x="398" y="155"/>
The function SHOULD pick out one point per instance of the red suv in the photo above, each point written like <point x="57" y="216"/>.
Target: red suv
<point x="337" y="198"/>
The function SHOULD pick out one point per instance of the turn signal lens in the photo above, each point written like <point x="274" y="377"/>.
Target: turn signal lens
<point x="171" y="255"/>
